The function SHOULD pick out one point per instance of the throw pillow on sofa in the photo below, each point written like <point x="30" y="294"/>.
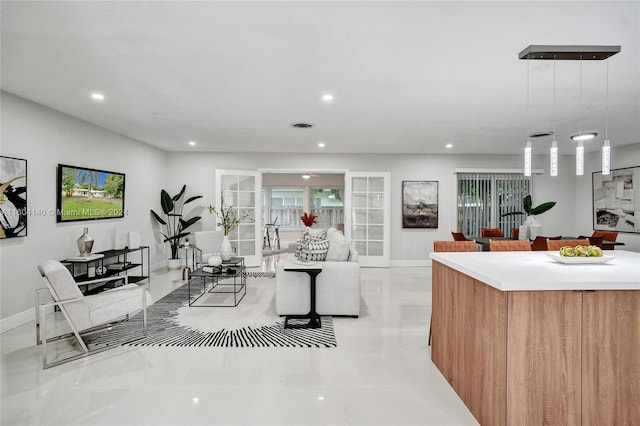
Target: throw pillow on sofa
<point x="312" y="251"/>
<point x="339" y="247"/>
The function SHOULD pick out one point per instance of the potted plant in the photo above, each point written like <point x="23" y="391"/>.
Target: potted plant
<point x="229" y="221"/>
<point x="531" y="228"/>
<point x="175" y="225"/>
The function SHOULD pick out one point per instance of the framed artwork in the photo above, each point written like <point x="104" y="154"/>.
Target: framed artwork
<point x="419" y="204"/>
<point x="616" y="200"/>
<point x="13" y="197"/>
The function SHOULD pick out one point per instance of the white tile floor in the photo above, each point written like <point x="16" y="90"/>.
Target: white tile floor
<point x="380" y="374"/>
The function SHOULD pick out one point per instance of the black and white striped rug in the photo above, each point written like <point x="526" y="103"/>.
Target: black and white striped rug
<point x="253" y="323"/>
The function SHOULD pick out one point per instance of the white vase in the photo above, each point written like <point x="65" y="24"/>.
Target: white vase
<point x="225" y="249"/>
<point x="535" y="228"/>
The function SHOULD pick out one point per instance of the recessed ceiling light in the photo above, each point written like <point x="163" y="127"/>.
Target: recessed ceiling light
<point x="306" y="176"/>
<point x="321" y="145"/>
<point x="449" y="145"/>
<point x="192" y="143"/>
<point x="97" y="96"/>
<point x="584" y="136"/>
<point x="327" y="97"/>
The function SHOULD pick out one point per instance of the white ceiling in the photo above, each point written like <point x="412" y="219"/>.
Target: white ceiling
<point x="407" y="77"/>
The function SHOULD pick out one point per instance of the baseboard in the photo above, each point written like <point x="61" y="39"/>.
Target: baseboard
<point x="17" y="320"/>
<point x="411" y="263"/>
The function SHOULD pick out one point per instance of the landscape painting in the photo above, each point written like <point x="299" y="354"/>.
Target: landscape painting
<point x="616" y="200"/>
<point x="13" y="197"/>
<point x="420" y="204"/>
<point x="89" y="194"/>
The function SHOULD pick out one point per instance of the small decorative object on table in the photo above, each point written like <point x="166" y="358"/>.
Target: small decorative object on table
<point x="531" y="228"/>
<point x="229" y="220"/>
<point x="215" y="260"/>
<point x="85" y="243"/>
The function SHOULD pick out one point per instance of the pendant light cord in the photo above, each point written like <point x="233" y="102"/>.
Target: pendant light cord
<point x="606" y="106"/>
<point x="554" y="97"/>
<point x="580" y="121"/>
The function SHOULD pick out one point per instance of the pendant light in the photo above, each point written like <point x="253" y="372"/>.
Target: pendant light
<point x="553" y="152"/>
<point x="527" y="149"/>
<point x="580" y="137"/>
<point x="606" y="148"/>
<point x="568" y="53"/>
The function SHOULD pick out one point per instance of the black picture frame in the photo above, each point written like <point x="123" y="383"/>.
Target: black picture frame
<point x="13" y="197"/>
<point x="420" y="204"/>
<point x="83" y="193"/>
<point x="614" y="201"/>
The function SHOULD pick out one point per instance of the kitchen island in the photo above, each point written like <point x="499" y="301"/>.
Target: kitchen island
<point x="526" y="340"/>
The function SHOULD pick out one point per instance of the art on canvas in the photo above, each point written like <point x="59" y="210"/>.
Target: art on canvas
<point x="420" y="204"/>
<point x="13" y="197"/>
<point x="616" y="200"/>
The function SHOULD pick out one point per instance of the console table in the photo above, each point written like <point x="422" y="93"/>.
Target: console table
<point x="132" y="263"/>
<point x="314" y="319"/>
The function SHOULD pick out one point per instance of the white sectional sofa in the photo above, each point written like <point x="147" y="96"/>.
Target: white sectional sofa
<point x="337" y="288"/>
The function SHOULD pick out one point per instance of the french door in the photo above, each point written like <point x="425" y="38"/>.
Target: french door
<point x="241" y="190"/>
<point x="367" y="206"/>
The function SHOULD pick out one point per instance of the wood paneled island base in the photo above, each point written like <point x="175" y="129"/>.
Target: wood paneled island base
<point x="537" y="357"/>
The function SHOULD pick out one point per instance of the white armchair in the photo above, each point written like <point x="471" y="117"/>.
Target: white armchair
<point x="207" y="243"/>
<point x="84" y="313"/>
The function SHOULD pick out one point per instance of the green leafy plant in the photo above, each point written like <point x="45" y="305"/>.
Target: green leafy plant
<point x="532" y="211"/>
<point x="175" y="225"/>
<point x="227" y="216"/>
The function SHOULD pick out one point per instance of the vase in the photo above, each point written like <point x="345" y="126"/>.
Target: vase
<point x="85" y="243"/>
<point x="226" y="251"/>
<point x="535" y="228"/>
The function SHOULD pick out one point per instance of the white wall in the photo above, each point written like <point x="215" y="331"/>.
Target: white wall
<point x="44" y="138"/>
<point x="408" y="246"/>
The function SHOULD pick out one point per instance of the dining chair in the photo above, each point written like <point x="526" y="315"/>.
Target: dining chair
<point x="452" y="246"/>
<point x="509" y="245"/>
<point x="84" y="314"/>
<point x="539" y="244"/>
<point x="607" y="236"/>
<point x="458" y="236"/>
<point x="515" y="233"/>
<point x="491" y="232"/>
<point x="553" y="245"/>
<point x="594" y="241"/>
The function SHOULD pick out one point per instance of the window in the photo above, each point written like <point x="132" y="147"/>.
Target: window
<point x="484" y="197"/>
<point x="327" y="204"/>
<point x="284" y="205"/>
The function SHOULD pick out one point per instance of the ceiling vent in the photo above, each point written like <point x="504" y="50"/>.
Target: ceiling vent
<point x="302" y="125"/>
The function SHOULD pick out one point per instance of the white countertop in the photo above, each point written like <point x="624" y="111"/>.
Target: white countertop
<point x="535" y="270"/>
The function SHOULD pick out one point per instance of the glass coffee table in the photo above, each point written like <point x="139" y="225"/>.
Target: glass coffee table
<point x="218" y="287"/>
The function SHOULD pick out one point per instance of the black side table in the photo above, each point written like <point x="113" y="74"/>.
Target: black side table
<point x="314" y="318"/>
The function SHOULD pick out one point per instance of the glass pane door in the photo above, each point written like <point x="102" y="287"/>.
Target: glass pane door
<point x="241" y="191"/>
<point x="367" y="203"/>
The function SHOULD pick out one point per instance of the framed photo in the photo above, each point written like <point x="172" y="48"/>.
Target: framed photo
<point x="616" y="200"/>
<point x="419" y="204"/>
<point x="13" y="197"/>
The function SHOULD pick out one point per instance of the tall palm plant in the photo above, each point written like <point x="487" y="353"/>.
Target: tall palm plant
<point x="175" y="225"/>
